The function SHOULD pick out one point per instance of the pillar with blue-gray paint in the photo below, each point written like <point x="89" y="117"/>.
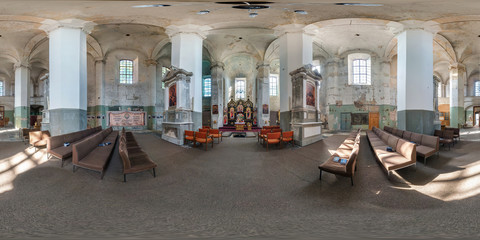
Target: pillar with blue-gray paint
<point x="263" y="94"/>
<point x="296" y="50"/>
<point x="217" y="69"/>
<point x="68" y="74"/>
<point x="22" y="95"/>
<point x="458" y="77"/>
<point x="415" y="101"/>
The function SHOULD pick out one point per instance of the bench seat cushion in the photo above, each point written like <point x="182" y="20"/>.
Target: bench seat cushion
<point x="139" y="163"/>
<point x="62" y="152"/>
<point x="392" y="161"/>
<point x="97" y="159"/>
<point x="334" y="167"/>
<point x="425" y="151"/>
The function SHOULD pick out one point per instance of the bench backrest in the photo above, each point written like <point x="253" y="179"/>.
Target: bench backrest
<point x="87" y="145"/>
<point x="431" y="141"/>
<point x="407" y="149"/>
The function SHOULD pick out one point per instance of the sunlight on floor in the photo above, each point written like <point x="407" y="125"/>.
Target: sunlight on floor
<point x="456" y="185"/>
<point x="17" y="164"/>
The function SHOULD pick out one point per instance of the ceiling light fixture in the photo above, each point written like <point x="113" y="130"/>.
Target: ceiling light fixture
<point x="153" y="5"/>
<point x="302" y="12"/>
<point x="253" y="14"/>
<point x="203" y="12"/>
<point x="360" y="4"/>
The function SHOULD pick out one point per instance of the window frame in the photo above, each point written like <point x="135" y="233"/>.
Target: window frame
<point x="273" y="88"/>
<point x="204" y="86"/>
<point x="132" y="74"/>
<point x="476" y="92"/>
<point x="238" y="80"/>
<point x="2" y="88"/>
<point x="359" y="67"/>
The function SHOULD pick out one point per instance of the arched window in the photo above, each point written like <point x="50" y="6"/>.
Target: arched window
<point x="477" y="88"/>
<point x="273" y="85"/>
<point x="126" y="71"/>
<point x="240" y="88"/>
<point x="2" y="88"/>
<point x="207" y="87"/>
<point x="359" y="69"/>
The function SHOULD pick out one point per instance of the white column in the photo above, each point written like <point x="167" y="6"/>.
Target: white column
<point x="22" y="95"/>
<point x="187" y="46"/>
<point x="100" y="92"/>
<point x="263" y="93"/>
<point x="296" y="50"/>
<point x="414" y="80"/>
<point x="152" y="73"/>
<point x="217" y="93"/>
<point x="68" y="74"/>
<point x="458" y="78"/>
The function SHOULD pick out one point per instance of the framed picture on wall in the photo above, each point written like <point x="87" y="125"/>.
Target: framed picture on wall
<point x="310" y="98"/>
<point x="172" y="95"/>
<point x="265" y="108"/>
<point x="214" y="109"/>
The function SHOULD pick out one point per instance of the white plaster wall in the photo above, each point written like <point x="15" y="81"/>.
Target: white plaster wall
<point x="136" y="94"/>
<point x="91" y="82"/>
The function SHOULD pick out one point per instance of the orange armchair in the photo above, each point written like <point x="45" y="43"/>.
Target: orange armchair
<point x="205" y="130"/>
<point x="215" y="133"/>
<point x="276" y="130"/>
<point x="263" y="134"/>
<point x="189" y="136"/>
<point x="273" y="138"/>
<point x="202" y="137"/>
<point x="287" y="137"/>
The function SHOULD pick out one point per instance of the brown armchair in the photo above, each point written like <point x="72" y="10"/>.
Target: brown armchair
<point x="447" y="138"/>
<point x="189" y="136"/>
<point x="287" y="137"/>
<point x="202" y="137"/>
<point x="215" y="133"/>
<point x="273" y="138"/>
<point x="38" y="138"/>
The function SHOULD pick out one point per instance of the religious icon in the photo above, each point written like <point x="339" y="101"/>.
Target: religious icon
<point x="225" y="119"/>
<point x="232" y="113"/>
<point x="214" y="109"/>
<point x="240" y="108"/>
<point x="240" y="118"/>
<point x="172" y="97"/>
<point x="265" y="108"/>
<point x="249" y="113"/>
<point x="310" y="94"/>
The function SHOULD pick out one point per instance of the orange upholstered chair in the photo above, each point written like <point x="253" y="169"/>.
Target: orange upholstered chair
<point x="273" y="138"/>
<point x="205" y="130"/>
<point x="215" y="133"/>
<point x="263" y="134"/>
<point x="276" y="130"/>
<point x="202" y="137"/>
<point x="189" y="136"/>
<point x="206" y="127"/>
<point x="287" y="137"/>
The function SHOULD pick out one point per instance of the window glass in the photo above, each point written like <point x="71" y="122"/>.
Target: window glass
<point x="126" y="71"/>
<point x="240" y="88"/>
<point x="207" y="87"/>
<point x="273" y="85"/>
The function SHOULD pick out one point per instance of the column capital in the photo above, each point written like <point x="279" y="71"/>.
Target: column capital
<point x="51" y="25"/>
<point x="457" y="66"/>
<point x="281" y="30"/>
<point x="217" y="65"/>
<point x="151" y="62"/>
<point x="400" y="27"/>
<point x="199" y="30"/>
<point x="263" y="65"/>
<point x="21" y="64"/>
<point x="99" y="60"/>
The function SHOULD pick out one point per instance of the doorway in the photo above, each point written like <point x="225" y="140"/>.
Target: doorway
<point x="345" y="121"/>
<point x="373" y="120"/>
<point x="206" y="118"/>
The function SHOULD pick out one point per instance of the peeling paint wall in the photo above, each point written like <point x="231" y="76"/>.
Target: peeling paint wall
<point x="340" y="97"/>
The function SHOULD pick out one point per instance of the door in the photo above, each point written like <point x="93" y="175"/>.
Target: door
<point x="273" y="118"/>
<point x="373" y="120"/>
<point x="206" y="118"/>
<point x="345" y="121"/>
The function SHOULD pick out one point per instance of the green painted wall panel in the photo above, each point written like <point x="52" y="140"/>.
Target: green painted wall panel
<point x="457" y="116"/>
<point x="387" y="115"/>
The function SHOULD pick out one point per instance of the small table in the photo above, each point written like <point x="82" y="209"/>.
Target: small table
<point x="239" y="126"/>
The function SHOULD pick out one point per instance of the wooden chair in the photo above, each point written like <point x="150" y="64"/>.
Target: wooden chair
<point x="215" y="133"/>
<point x="189" y="136"/>
<point x="263" y="134"/>
<point x="438" y="133"/>
<point x="273" y="138"/>
<point x="447" y="138"/>
<point x="276" y="130"/>
<point x="205" y="130"/>
<point x="206" y="127"/>
<point x="287" y="137"/>
<point x="202" y="137"/>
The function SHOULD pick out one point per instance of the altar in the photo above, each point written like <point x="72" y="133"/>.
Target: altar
<point x="240" y="114"/>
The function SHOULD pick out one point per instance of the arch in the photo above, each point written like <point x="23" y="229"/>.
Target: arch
<point x="272" y="51"/>
<point x="243" y="53"/>
<point x="126" y="49"/>
<point x="94" y="48"/>
<point x="158" y="48"/>
<point x="30" y="49"/>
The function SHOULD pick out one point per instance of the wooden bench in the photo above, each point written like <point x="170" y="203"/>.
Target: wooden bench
<point x="38" y="138"/>
<point x="347" y="150"/>
<point x="133" y="157"/>
<point x="89" y="155"/>
<point x="55" y="144"/>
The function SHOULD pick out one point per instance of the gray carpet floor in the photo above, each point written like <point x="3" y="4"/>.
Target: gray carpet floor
<point x="239" y="190"/>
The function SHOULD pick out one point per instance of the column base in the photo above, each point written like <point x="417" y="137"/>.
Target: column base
<point x="22" y="117"/>
<point x="307" y="133"/>
<point x="285" y="120"/>
<point x="63" y="120"/>
<point x="457" y="116"/>
<point x="418" y="121"/>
